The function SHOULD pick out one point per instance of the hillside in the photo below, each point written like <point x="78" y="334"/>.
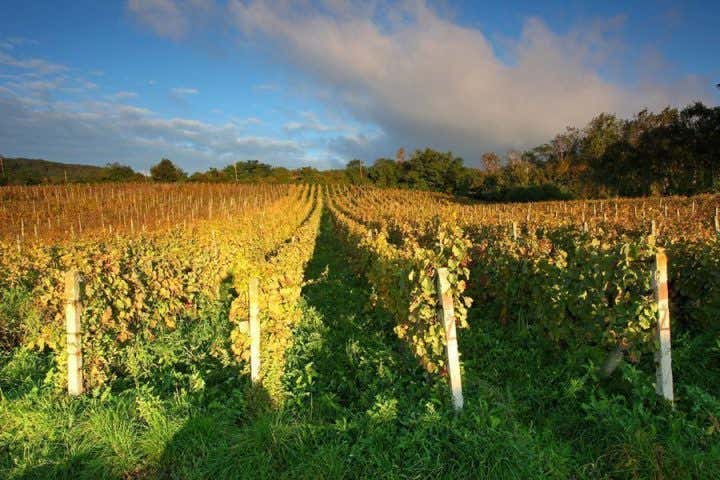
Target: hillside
<point x="27" y="171"/>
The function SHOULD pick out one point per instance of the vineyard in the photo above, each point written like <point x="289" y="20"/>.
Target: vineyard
<point x="284" y="331"/>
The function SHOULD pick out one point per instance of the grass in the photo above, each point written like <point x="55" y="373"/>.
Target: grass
<point x="360" y="407"/>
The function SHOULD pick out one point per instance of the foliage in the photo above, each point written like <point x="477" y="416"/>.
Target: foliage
<point x="24" y="171"/>
<point x="579" y="290"/>
<point x="64" y="213"/>
<point x="16" y="316"/>
<point x="281" y="278"/>
<point x="166" y="171"/>
<point x="578" y="272"/>
<point x="673" y="152"/>
<point x="695" y="278"/>
<point x="138" y="288"/>
<point x="432" y="170"/>
<point x="404" y="279"/>
<point x="352" y="349"/>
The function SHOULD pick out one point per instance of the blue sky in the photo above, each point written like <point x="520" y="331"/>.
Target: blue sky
<point x="321" y="82"/>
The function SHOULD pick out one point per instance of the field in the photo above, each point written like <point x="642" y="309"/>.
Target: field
<point x="555" y="303"/>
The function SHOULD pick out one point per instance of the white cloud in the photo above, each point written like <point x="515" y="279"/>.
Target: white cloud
<point x="172" y="18"/>
<point x="42" y="85"/>
<point x="245" y="122"/>
<point x="11" y="43"/>
<point x="101" y="132"/>
<point x="119" y="96"/>
<point x="45" y="84"/>
<point x="184" y="91"/>
<point x="37" y="65"/>
<point x="163" y="16"/>
<point x="309" y="123"/>
<point x="425" y="80"/>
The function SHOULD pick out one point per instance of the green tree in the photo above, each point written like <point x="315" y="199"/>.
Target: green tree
<point x="385" y="172"/>
<point x="212" y="176"/>
<point x="356" y="172"/>
<point x="115" y="172"/>
<point x="433" y="170"/>
<point x="249" y="170"/>
<point x="309" y="175"/>
<point x="166" y="171"/>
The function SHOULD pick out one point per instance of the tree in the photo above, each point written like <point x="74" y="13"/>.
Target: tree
<point x="600" y="134"/>
<point x="355" y="171"/>
<point x="565" y="145"/>
<point x="166" y="171"/>
<point x="518" y="172"/>
<point x="115" y="172"/>
<point x="309" y="175"/>
<point x="248" y="170"/>
<point x="490" y="162"/>
<point x="212" y="175"/>
<point x="433" y="170"/>
<point x="385" y="173"/>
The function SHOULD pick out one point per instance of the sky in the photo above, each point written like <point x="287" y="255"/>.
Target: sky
<point x="318" y="83"/>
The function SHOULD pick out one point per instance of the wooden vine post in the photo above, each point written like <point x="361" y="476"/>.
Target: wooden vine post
<point x="446" y="315"/>
<point x="73" y="313"/>
<point x="663" y="356"/>
<point x="254" y="321"/>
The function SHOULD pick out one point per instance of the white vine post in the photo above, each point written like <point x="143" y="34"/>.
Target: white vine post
<point x="254" y="321"/>
<point x="446" y="315"/>
<point x="73" y="312"/>
<point x="663" y="356"/>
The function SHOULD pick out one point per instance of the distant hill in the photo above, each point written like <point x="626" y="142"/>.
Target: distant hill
<point x="27" y="171"/>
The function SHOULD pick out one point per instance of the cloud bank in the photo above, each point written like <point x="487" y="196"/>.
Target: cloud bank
<point x="425" y="80"/>
<point x="102" y="132"/>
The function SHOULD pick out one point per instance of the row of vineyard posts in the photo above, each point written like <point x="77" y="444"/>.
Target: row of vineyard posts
<point x="446" y="317"/>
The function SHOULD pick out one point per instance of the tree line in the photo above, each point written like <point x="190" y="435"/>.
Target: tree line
<point x="673" y="152"/>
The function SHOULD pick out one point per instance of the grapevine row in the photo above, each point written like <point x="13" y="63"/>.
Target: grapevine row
<point x="542" y="266"/>
<point x="137" y="287"/>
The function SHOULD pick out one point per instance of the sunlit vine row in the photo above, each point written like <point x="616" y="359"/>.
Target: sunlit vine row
<point x="60" y="213"/>
<point x="281" y="275"/>
<point x="403" y="277"/>
<point x="136" y="287"/>
<point x="574" y="282"/>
